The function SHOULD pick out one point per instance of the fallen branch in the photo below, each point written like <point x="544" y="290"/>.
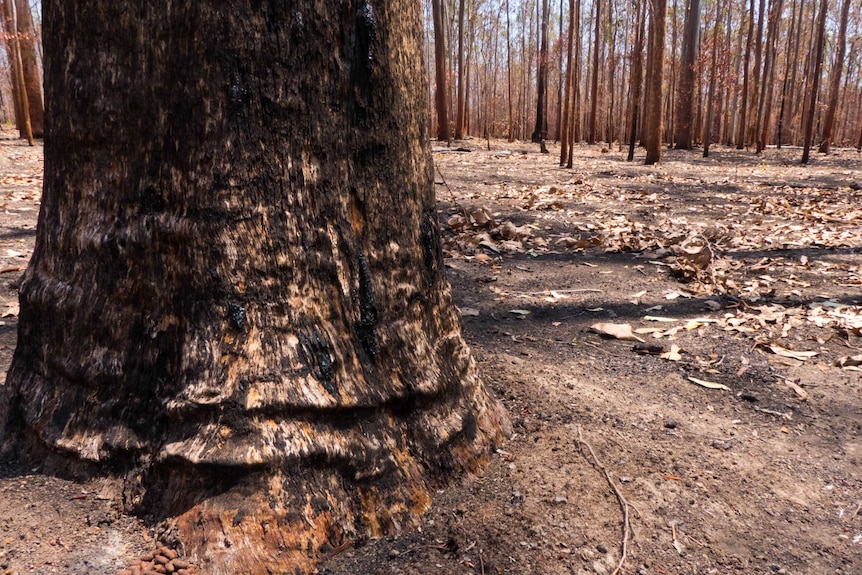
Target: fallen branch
<point x="622" y="500"/>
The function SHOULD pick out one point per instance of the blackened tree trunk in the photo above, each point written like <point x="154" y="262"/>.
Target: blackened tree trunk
<point x="764" y="108"/>
<point x="565" y="140"/>
<point x="511" y="134"/>
<point x="835" y="79"/>
<point x="236" y="302"/>
<point x="636" y="77"/>
<point x="540" y="131"/>
<point x="459" y="104"/>
<point x="654" y="74"/>
<point x="29" y="69"/>
<point x="594" y="89"/>
<point x="811" y="101"/>
<point x="710" y="105"/>
<point x="743" y="111"/>
<point x="755" y="87"/>
<point x="685" y="93"/>
<point x="441" y="97"/>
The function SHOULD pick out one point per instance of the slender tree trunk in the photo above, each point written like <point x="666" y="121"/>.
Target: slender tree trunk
<point x="685" y="95"/>
<point x="743" y="112"/>
<point x="558" y="124"/>
<point x="788" y="62"/>
<point x="594" y="90"/>
<point x="835" y="80"/>
<point x="29" y="68"/>
<point x="764" y="108"/>
<point x="11" y="33"/>
<point x="655" y="71"/>
<point x="575" y="122"/>
<point x="707" y="127"/>
<point x="17" y="69"/>
<point x="637" y="77"/>
<point x="459" y="112"/>
<point x="755" y="88"/>
<point x="441" y="95"/>
<point x="236" y="302"/>
<point x="511" y="135"/>
<point x="541" y="130"/>
<point x="808" y="135"/>
<point x="565" y="137"/>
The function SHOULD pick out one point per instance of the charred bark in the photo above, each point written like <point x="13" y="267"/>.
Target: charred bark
<point x="685" y="101"/>
<point x="236" y="304"/>
<point x="655" y="68"/>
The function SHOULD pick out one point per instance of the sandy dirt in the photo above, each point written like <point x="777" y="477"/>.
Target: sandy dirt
<point x="742" y="273"/>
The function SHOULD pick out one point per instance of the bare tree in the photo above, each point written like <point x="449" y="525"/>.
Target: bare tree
<point x="835" y="80"/>
<point x="541" y="129"/>
<point x="811" y="100"/>
<point x="441" y="93"/>
<point x="654" y="75"/>
<point x="685" y="92"/>
<point x="594" y="90"/>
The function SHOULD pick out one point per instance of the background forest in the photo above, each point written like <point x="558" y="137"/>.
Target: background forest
<point x="745" y="70"/>
<point x="735" y="72"/>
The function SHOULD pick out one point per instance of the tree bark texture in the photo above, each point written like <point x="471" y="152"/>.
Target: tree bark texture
<point x="29" y="68"/>
<point x="636" y="77"/>
<point x="743" y="111"/>
<point x="540" y="131"/>
<point x="688" y="65"/>
<point x="594" y="79"/>
<point x="808" y="134"/>
<point x="459" y="105"/>
<point x="835" y="79"/>
<point x="441" y="96"/>
<point x="655" y="68"/>
<point x="236" y="302"/>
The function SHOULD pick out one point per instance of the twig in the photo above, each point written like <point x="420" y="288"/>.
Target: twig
<point x="622" y="500"/>
<point x="481" y="562"/>
<point x="451" y="193"/>
<point x="548" y="292"/>
<point x="856" y="512"/>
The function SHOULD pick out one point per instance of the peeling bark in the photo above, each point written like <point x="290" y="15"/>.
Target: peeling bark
<point x="236" y="303"/>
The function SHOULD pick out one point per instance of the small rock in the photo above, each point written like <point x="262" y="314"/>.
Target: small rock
<point x="719" y="444"/>
<point x="561" y="499"/>
<point x="671" y="424"/>
<point x="601" y="548"/>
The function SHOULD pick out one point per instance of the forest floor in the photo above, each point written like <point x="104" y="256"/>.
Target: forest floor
<point x="729" y="440"/>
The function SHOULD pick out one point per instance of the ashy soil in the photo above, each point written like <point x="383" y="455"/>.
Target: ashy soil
<point x="728" y="440"/>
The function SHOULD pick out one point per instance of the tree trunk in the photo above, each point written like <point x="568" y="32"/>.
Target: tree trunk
<point x="710" y="105"/>
<point x="788" y="62"/>
<point x="637" y="78"/>
<point x="575" y="120"/>
<point x="511" y="136"/>
<point x="685" y="94"/>
<point x="654" y="74"/>
<point x="16" y="68"/>
<point x="565" y="140"/>
<point x="594" y="83"/>
<point x="459" y="112"/>
<point x="540" y="131"/>
<point x="764" y="108"/>
<point x="755" y="88"/>
<point x="558" y="124"/>
<point x="236" y="301"/>
<point x="835" y="79"/>
<point x="743" y="112"/>
<point x="441" y="94"/>
<point x="808" y="134"/>
<point x="10" y="35"/>
<point x="29" y="68"/>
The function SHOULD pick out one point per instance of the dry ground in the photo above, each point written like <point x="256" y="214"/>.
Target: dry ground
<point x="751" y="270"/>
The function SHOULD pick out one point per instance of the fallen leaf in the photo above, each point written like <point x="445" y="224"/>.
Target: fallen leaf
<point x="708" y="384"/>
<point x="800" y="355"/>
<point x="616" y="330"/>
<point x="659" y="318"/>
<point x="521" y="312"/>
<point x="848" y="362"/>
<point x="469" y="311"/>
<point x="803" y="395"/>
<point x="673" y="354"/>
